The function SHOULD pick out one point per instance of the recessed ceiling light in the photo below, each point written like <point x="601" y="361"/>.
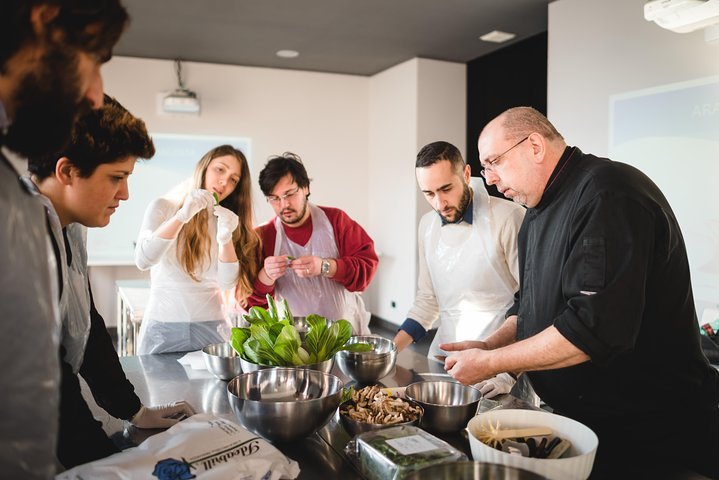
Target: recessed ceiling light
<point x="287" y="53"/>
<point x="497" y="36"/>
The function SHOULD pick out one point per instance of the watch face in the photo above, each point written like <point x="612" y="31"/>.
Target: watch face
<point x="325" y="267"/>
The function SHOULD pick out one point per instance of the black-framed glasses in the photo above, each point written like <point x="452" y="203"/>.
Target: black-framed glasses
<point x="490" y="165"/>
<point x="276" y="199"/>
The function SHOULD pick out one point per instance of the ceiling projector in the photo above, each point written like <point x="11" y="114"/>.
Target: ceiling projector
<point x="682" y="16"/>
<point x="181" y="100"/>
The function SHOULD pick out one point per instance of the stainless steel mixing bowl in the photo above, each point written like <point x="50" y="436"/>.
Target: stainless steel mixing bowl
<point x="284" y="404"/>
<point x="368" y="367"/>
<point x="325" y="366"/>
<point x="467" y="470"/>
<point x="448" y="405"/>
<point x="222" y="360"/>
<point x="354" y="427"/>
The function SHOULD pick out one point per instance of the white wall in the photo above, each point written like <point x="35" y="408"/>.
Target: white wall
<point x="411" y="104"/>
<point x="601" y="50"/>
<point x="321" y="117"/>
<point x="597" y="49"/>
<point x="358" y="137"/>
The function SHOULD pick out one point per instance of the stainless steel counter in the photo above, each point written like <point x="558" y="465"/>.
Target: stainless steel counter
<point x="161" y="379"/>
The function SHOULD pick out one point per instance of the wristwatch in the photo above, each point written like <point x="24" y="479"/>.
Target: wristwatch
<point x="325" y="269"/>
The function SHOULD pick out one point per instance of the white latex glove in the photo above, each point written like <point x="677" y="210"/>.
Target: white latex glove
<point x="227" y="223"/>
<point x="195" y="201"/>
<point x="498" y="385"/>
<point x="162" y="416"/>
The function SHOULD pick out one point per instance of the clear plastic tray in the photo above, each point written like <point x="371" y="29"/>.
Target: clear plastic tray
<point x="394" y="452"/>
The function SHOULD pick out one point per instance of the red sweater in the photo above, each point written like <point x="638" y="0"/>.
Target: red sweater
<point x="356" y="264"/>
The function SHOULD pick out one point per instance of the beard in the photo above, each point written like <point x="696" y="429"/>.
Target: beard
<point x="46" y="105"/>
<point x="298" y="218"/>
<point x="459" y="210"/>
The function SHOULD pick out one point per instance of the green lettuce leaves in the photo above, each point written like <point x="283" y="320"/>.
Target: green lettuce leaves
<point x="272" y="339"/>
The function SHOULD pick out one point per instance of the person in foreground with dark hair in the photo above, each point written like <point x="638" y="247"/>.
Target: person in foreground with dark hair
<point x="317" y="258"/>
<point x="604" y="322"/>
<point x="82" y="186"/>
<point x="50" y="57"/>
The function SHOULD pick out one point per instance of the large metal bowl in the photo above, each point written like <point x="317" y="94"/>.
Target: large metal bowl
<point x="222" y="360"/>
<point x="467" y="470"/>
<point x="368" y="367"/>
<point x="448" y="406"/>
<point x="325" y="366"/>
<point x="354" y="427"/>
<point x="284" y="404"/>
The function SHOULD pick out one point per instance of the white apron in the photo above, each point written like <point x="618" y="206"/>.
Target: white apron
<point x="319" y="295"/>
<point x="472" y="282"/>
<point x="76" y="326"/>
<point x="183" y="315"/>
<point x="75" y="297"/>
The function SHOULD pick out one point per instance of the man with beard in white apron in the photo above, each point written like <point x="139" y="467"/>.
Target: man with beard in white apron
<point x="317" y="258"/>
<point x="467" y="258"/>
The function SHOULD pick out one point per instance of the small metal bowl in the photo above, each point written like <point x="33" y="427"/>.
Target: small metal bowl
<point x="448" y="405"/>
<point x="368" y="367"/>
<point x="325" y="366"/>
<point x="284" y="404"/>
<point x="222" y="360"/>
<point x="354" y="427"/>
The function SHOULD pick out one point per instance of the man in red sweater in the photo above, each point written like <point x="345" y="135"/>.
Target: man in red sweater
<point x="317" y="258"/>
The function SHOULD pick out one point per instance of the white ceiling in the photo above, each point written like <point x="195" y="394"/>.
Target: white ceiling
<point x="360" y="37"/>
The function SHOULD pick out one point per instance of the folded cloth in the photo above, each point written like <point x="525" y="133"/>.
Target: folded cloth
<point x="203" y="446"/>
<point x="194" y="360"/>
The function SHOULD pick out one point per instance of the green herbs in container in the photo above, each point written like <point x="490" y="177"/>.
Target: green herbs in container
<point x="392" y="453"/>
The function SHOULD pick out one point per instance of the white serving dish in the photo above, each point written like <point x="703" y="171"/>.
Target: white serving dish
<point x="575" y="464"/>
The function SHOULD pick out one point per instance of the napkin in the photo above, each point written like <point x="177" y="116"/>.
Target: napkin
<point x="194" y="360"/>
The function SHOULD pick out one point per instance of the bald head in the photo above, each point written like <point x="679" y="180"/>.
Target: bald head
<point x="518" y="122"/>
<point x="518" y="151"/>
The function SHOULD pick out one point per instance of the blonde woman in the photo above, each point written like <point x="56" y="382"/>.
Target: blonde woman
<point x="195" y="249"/>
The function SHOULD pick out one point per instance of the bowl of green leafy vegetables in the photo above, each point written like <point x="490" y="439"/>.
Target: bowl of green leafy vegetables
<point x="273" y="340"/>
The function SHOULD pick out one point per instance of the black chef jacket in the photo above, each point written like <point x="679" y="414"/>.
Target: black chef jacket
<point x="602" y="258"/>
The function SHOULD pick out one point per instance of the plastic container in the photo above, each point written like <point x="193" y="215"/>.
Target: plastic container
<point x="393" y="453"/>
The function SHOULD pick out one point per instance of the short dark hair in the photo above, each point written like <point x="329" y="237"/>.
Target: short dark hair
<point x="105" y="135"/>
<point x="108" y="19"/>
<point x="437" y="151"/>
<point x="278" y="166"/>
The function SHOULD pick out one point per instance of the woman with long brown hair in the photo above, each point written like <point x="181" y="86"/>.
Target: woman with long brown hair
<point x="195" y="249"/>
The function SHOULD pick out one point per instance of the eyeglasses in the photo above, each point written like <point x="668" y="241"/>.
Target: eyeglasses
<point x="490" y="165"/>
<point x="276" y="199"/>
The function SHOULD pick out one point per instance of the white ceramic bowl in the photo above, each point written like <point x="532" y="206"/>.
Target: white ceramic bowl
<point x="575" y="464"/>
